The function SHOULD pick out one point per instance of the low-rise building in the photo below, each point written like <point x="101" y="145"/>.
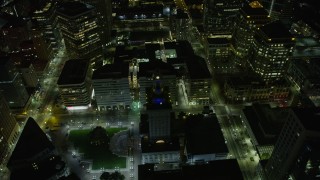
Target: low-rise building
<point x="111" y="86"/>
<point x="204" y="139"/>
<point x="156" y="71"/>
<point x="223" y="169"/>
<point x="253" y="89"/>
<point x="160" y="151"/>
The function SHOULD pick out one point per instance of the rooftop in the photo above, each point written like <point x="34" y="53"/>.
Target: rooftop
<point x="266" y="123"/>
<point x="112" y="71"/>
<point x="73" y="8"/>
<point x="197" y="68"/>
<point x="182" y="15"/>
<point x="8" y="20"/>
<point x="32" y="141"/>
<point x="306" y="47"/>
<point x="4" y="60"/>
<point x="249" y="11"/>
<point x="149" y="172"/>
<point x="148" y="147"/>
<point x="127" y="53"/>
<point x="158" y="98"/>
<point x="215" y="170"/>
<point x="74" y="72"/>
<point x="183" y="48"/>
<point x="309" y="117"/>
<point x="218" y="41"/>
<point x="204" y="136"/>
<point x="146" y="35"/>
<point x="276" y="31"/>
<point x="147" y="69"/>
<point x="4" y="72"/>
<point x="150" y="50"/>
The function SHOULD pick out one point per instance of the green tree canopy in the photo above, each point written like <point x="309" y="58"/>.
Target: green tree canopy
<point x="116" y="176"/>
<point x="99" y="137"/>
<point x="105" y="176"/>
<point x="113" y="176"/>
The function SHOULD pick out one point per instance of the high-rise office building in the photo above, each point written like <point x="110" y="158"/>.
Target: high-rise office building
<point x="8" y="129"/>
<point x="182" y="25"/>
<point x="44" y="20"/>
<point x="43" y="49"/>
<point x="74" y="84"/>
<point x="198" y="81"/>
<point x="104" y="13"/>
<point x="79" y="27"/>
<point x="11" y="84"/>
<point x="158" y="109"/>
<point x="271" y="48"/>
<point x="251" y="17"/>
<point x="34" y="155"/>
<point x="296" y="153"/>
<point x="219" y="16"/>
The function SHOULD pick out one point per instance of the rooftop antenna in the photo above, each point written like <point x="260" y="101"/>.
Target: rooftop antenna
<point x="271" y="7"/>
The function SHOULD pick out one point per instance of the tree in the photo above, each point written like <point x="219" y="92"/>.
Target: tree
<point x="71" y="176"/>
<point x="116" y="176"/>
<point x="105" y="176"/>
<point x="113" y="176"/>
<point x="99" y="137"/>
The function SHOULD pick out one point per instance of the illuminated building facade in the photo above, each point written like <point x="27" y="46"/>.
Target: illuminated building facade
<point x="45" y="22"/>
<point x="79" y="27"/>
<point x="296" y="153"/>
<point x="74" y="84"/>
<point x="272" y="48"/>
<point x="8" y="130"/>
<point x="104" y="14"/>
<point x="44" y="50"/>
<point x="249" y="19"/>
<point x="219" y="16"/>
<point x="218" y="53"/>
<point x="182" y="25"/>
<point x="152" y="71"/>
<point x="28" y="75"/>
<point x="198" y="81"/>
<point x="160" y="152"/>
<point x="304" y="74"/>
<point x="158" y="146"/>
<point x="158" y="109"/>
<point x="11" y="84"/>
<point x="111" y="86"/>
<point x="254" y="89"/>
<point x="218" y="48"/>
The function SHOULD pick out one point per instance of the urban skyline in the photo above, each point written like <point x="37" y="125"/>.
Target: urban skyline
<point x="177" y="89"/>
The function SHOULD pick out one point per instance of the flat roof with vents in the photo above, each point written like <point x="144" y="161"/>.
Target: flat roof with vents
<point x="74" y="72"/>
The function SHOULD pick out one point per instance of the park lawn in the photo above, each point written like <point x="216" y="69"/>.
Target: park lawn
<point x="101" y="157"/>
